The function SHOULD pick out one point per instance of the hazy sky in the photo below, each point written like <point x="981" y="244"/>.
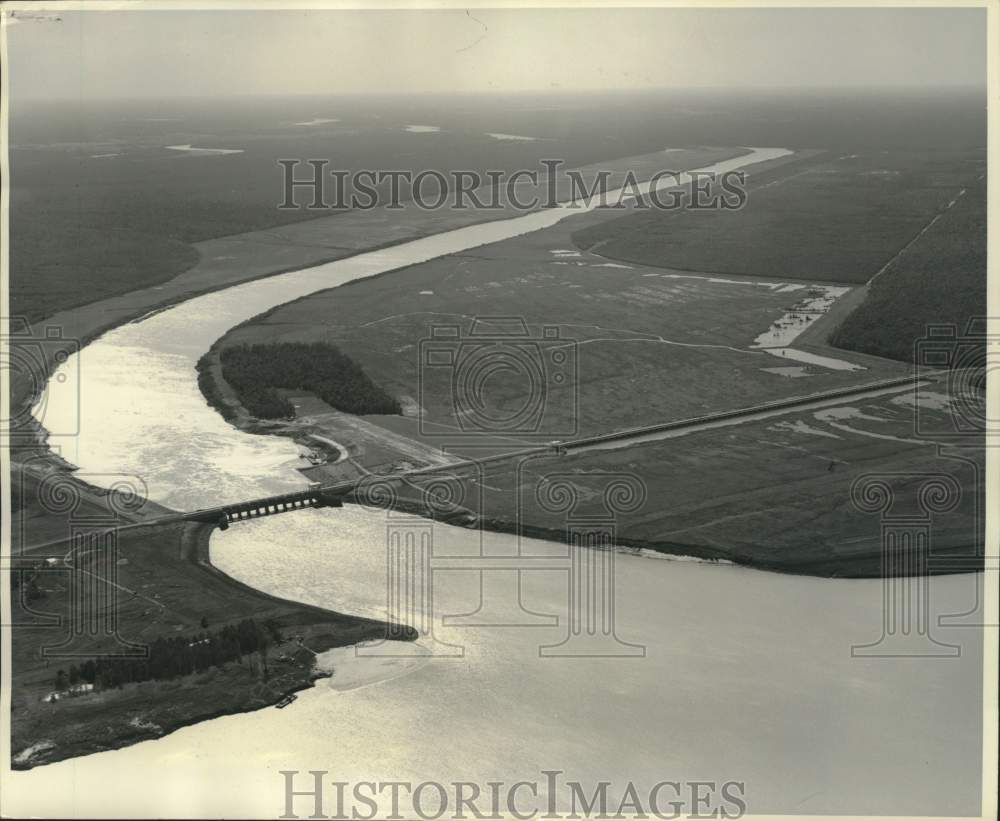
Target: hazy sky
<point x="188" y="53"/>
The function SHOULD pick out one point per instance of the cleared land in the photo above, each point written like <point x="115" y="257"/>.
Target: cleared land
<point x="652" y="344"/>
<point x="774" y="493"/>
<point x="164" y="587"/>
<point x="240" y="257"/>
<point x="643" y="345"/>
<point x="837" y="221"/>
<point x="167" y="586"/>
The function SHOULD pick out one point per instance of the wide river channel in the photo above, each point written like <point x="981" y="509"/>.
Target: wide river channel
<point x="743" y="675"/>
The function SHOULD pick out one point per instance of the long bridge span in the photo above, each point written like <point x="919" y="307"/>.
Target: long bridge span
<point x="334" y="495"/>
<point x="225" y="515"/>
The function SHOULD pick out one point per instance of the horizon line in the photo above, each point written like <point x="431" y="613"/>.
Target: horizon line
<point x="781" y="89"/>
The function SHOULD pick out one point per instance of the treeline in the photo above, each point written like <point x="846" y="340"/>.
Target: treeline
<point x="210" y="388"/>
<point x="255" y="372"/>
<point x="176" y="656"/>
<point x="940" y="279"/>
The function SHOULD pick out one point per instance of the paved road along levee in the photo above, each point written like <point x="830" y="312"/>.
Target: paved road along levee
<point x="335" y="495"/>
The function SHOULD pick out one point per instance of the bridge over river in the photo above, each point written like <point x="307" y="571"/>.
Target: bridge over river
<point x="334" y="495"/>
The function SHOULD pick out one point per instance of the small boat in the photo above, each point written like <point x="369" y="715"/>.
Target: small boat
<point x="286" y="701"/>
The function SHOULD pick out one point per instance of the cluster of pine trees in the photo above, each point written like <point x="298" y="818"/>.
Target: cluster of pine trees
<point x="175" y="656"/>
<point x="255" y="371"/>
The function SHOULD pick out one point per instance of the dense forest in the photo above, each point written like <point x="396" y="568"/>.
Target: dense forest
<point x="940" y="279"/>
<point x="839" y="220"/>
<point x="172" y="657"/>
<point x="256" y="372"/>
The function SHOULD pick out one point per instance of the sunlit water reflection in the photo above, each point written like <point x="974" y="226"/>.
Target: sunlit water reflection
<point x="746" y="675"/>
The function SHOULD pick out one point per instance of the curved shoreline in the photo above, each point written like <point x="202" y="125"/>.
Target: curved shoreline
<point x="31" y="453"/>
<point x="201" y="557"/>
<point x="249" y="425"/>
<point x="867" y="565"/>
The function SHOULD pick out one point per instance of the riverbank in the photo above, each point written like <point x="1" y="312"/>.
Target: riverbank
<point x="863" y="561"/>
<point x="842" y="545"/>
<point x="162" y="584"/>
<point x="773" y="492"/>
<point x="165" y="585"/>
<point x="221" y="396"/>
<point x="151" y="434"/>
<point x="236" y="259"/>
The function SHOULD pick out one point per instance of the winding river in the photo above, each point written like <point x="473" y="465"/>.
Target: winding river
<point x="745" y="675"/>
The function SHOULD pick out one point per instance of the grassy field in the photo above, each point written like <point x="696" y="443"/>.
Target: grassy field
<point x="643" y="344"/>
<point x="166" y="588"/>
<point x="939" y="279"/>
<point x="773" y="494"/>
<point x="839" y="220"/>
<point x="240" y="257"/>
<point x="652" y="344"/>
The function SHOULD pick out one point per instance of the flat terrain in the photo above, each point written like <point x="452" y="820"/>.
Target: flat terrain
<point x="939" y="279"/>
<point x="165" y="584"/>
<point x="666" y="336"/>
<point x="161" y="586"/>
<point x="649" y="344"/>
<point x="86" y="225"/>
<point x="237" y="258"/>
<point x="774" y="493"/>
<point x="840" y="220"/>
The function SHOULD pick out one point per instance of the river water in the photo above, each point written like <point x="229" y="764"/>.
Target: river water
<point x="719" y="673"/>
